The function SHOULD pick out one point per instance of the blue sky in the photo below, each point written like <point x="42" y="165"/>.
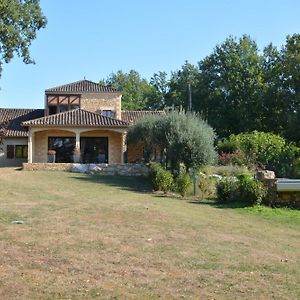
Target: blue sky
<point x="93" y="38"/>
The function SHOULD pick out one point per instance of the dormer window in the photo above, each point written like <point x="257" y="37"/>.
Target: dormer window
<point x="57" y="103"/>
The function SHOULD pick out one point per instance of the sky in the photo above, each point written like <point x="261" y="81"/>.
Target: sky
<point x="93" y="38"/>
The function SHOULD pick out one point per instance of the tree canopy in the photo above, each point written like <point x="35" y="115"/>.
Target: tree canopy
<point x="182" y="137"/>
<point x="237" y="88"/>
<point x="19" y="22"/>
<point x="136" y="90"/>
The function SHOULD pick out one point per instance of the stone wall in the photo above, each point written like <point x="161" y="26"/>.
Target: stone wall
<point x="102" y="101"/>
<point x="290" y="199"/>
<point x="102" y="169"/>
<point x="47" y="167"/>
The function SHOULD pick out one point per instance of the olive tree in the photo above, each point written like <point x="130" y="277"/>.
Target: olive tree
<point x="185" y="138"/>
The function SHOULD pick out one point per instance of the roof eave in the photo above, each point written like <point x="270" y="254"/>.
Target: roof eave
<point x="47" y="92"/>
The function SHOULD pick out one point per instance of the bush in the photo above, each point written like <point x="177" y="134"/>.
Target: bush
<point x="207" y="186"/>
<point x="182" y="183"/>
<point x="227" y="146"/>
<point x="245" y="190"/>
<point x="227" y="189"/>
<point x="261" y="149"/>
<point x="155" y="168"/>
<point x="162" y="179"/>
<point x="251" y="191"/>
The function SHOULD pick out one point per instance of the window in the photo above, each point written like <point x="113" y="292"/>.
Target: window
<point x="74" y="106"/>
<point x="107" y="113"/>
<point x="63" y="108"/>
<point x="52" y="109"/>
<point x="10" y="151"/>
<point x="64" y="147"/>
<point x="18" y="151"/>
<point x="21" y="151"/>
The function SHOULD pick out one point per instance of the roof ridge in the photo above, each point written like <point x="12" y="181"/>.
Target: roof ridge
<point x="82" y="86"/>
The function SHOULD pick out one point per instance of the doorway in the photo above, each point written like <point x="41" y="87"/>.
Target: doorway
<point x="94" y="150"/>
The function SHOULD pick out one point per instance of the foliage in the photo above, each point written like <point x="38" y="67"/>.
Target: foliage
<point x="251" y="192"/>
<point x="177" y="95"/>
<point x="228" y="170"/>
<point x="160" y="89"/>
<point x="135" y="89"/>
<point x="207" y="186"/>
<point x="227" y="189"/>
<point x="235" y="158"/>
<point x="182" y="183"/>
<point x="262" y="149"/>
<point x="245" y="190"/>
<point x="3" y="128"/>
<point x="230" y="86"/>
<point x="162" y="179"/>
<point x="19" y="22"/>
<point x="145" y="132"/>
<point x="184" y="137"/>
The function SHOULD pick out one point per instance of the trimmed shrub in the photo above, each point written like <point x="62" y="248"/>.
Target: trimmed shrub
<point x="182" y="183"/>
<point x="162" y="179"/>
<point x="251" y="191"/>
<point x="227" y="190"/>
<point x="155" y="168"/>
<point x="245" y="190"/>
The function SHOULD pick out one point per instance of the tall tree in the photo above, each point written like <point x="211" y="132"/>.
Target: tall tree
<point x="160" y="88"/>
<point x="135" y="89"/>
<point x="178" y="87"/>
<point x="230" y="86"/>
<point x="19" y="22"/>
<point x="290" y="85"/>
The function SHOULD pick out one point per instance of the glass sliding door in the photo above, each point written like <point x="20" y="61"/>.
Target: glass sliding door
<point x="94" y="150"/>
<point x="64" y="147"/>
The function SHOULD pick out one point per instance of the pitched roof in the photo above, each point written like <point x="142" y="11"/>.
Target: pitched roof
<point x="82" y="86"/>
<point x="14" y="117"/>
<point x="132" y="116"/>
<point x="77" y="117"/>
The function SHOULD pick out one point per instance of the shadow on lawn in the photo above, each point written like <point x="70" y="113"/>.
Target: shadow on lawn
<point x="135" y="184"/>
<point x="213" y="203"/>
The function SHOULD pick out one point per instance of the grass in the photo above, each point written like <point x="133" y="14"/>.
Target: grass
<point x="92" y="237"/>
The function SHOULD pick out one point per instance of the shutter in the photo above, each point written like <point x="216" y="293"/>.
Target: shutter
<point x="10" y="153"/>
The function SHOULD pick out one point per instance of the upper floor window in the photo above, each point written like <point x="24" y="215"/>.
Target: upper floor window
<point x="63" y="108"/>
<point x="107" y="113"/>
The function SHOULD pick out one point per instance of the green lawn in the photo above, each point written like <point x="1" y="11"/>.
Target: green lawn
<point x="110" y="238"/>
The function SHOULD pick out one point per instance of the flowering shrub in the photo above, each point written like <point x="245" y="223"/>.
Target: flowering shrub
<point x="262" y="150"/>
<point x="235" y="158"/>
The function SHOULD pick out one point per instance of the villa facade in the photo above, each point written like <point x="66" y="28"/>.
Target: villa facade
<point x="81" y="121"/>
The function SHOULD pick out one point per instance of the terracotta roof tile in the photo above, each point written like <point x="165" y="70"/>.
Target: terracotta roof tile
<point x="132" y="116"/>
<point x="77" y="117"/>
<point x="82" y="86"/>
<point x="14" y="117"/>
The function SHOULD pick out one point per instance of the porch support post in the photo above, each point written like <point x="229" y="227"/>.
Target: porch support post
<point x="124" y="147"/>
<point x="30" y="148"/>
<point x="77" y="145"/>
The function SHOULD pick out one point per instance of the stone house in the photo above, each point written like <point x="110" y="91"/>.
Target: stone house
<point x="83" y="118"/>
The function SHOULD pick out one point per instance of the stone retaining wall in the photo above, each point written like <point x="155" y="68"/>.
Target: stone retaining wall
<point x="103" y="169"/>
<point x="274" y="198"/>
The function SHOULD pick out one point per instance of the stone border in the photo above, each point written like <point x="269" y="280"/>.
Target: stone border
<point x="103" y="169"/>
